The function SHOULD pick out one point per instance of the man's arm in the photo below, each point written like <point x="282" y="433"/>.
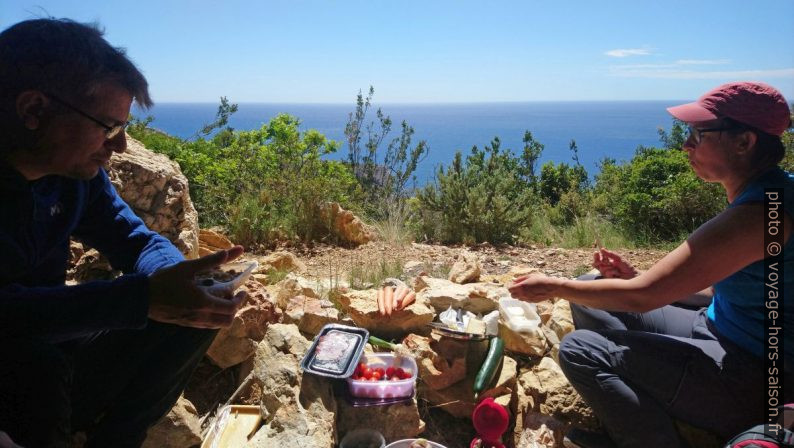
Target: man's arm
<point x="65" y="312"/>
<point x="720" y="247"/>
<point x="109" y="225"/>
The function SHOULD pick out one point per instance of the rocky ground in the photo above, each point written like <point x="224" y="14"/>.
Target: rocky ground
<point x="532" y="386"/>
<point x="323" y="261"/>
<point x="297" y="291"/>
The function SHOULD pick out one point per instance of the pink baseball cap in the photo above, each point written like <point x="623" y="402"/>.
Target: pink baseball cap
<point x="754" y="104"/>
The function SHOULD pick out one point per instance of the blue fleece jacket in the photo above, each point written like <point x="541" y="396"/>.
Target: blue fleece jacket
<point x="37" y="218"/>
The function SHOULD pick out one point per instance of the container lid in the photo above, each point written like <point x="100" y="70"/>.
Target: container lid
<point x="340" y="347"/>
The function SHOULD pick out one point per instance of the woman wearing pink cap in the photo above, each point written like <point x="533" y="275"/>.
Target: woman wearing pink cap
<point x="641" y="362"/>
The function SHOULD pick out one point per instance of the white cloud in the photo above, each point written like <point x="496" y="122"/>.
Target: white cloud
<point x="672" y="73"/>
<point x="624" y="52"/>
<point x="702" y="61"/>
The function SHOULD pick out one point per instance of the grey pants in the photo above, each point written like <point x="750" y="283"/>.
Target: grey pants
<point x="640" y="371"/>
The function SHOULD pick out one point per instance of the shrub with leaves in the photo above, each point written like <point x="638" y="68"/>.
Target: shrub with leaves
<point x="383" y="169"/>
<point x="481" y="198"/>
<point x="656" y="196"/>
<point x="264" y="185"/>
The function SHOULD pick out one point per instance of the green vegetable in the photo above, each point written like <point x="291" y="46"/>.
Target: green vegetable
<point x="493" y="359"/>
<point x="378" y="342"/>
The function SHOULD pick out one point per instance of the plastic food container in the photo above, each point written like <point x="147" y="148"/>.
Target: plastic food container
<point x="518" y="315"/>
<point x="405" y="443"/>
<point x="233" y="426"/>
<point x="235" y="273"/>
<point x="363" y="438"/>
<point x="335" y="351"/>
<point x="385" y="388"/>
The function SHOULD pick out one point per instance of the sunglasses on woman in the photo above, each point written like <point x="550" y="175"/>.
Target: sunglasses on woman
<point x="696" y="134"/>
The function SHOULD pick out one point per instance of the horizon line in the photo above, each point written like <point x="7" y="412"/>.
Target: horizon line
<point x="421" y="103"/>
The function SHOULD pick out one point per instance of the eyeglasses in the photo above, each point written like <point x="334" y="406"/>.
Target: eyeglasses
<point x="110" y="131"/>
<point x="696" y="134"/>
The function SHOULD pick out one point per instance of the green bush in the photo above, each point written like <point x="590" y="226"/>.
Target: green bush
<point x="264" y="185"/>
<point x="484" y="198"/>
<point x="656" y="196"/>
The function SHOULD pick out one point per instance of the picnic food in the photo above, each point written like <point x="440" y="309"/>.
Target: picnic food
<point x="392" y="299"/>
<point x="216" y="276"/>
<point x="366" y="372"/>
<point x="334" y="350"/>
<point x="420" y="443"/>
<point x="489" y="366"/>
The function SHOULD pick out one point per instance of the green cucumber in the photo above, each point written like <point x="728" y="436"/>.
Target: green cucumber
<point x="493" y="359"/>
<point x="378" y="342"/>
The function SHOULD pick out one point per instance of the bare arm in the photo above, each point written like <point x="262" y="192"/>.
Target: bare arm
<point x="720" y="247"/>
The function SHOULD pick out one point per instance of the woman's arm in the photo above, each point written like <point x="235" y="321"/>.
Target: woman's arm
<point x="720" y="247"/>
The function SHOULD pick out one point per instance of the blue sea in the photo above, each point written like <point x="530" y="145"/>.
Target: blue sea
<point x="601" y="129"/>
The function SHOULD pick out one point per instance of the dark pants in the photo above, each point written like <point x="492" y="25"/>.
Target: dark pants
<point x="113" y="386"/>
<point x="640" y="371"/>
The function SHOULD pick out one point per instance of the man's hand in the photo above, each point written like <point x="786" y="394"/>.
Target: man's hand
<point x="610" y="265"/>
<point x="534" y="287"/>
<point x="175" y="298"/>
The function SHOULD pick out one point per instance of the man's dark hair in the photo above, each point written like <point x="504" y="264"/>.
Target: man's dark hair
<point x="64" y="57"/>
<point x="60" y="57"/>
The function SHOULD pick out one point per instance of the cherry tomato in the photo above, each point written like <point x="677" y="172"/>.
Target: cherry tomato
<point x="367" y="373"/>
<point x="390" y="372"/>
<point x="399" y="372"/>
<point x="381" y="371"/>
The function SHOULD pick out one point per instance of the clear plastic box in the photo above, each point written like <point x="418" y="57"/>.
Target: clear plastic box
<point x="518" y="315"/>
<point x="384" y="388"/>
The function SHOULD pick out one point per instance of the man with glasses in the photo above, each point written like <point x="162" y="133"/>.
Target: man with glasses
<point x="108" y="357"/>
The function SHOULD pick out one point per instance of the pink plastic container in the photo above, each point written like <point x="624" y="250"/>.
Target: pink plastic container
<point x="383" y="388"/>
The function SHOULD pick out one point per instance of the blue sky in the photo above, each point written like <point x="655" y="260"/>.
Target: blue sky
<point x="440" y="51"/>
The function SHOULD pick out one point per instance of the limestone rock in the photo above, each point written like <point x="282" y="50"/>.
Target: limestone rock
<point x="211" y="241"/>
<point x="458" y="399"/>
<point x="539" y="431"/>
<point x="345" y="225"/>
<point x="561" y="321"/>
<point x="301" y="408"/>
<point x="280" y="261"/>
<point x="413" y="268"/>
<point x="545" y="310"/>
<point x="466" y="269"/>
<point x="236" y="343"/>
<point x="90" y="266"/>
<point x="528" y="343"/>
<point x="294" y="285"/>
<point x="395" y="422"/>
<point x="158" y="193"/>
<point x="310" y="314"/>
<point x="441" y="361"/>
<point x="393" y="282"/>
<point x="546" y="390"/>
<point x="479" y="298"/>
<point x="180" y="428"/>
<point x="508" y="277"/>
<point x="522" y="270"/>
<point x="362" y="307"/>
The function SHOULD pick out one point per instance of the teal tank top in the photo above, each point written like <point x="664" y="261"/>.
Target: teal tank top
<point x="737" y="309"/>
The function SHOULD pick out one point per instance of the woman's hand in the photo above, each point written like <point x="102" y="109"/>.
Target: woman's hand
<point x="610" y="265"/>
<point x="534" y="287"/>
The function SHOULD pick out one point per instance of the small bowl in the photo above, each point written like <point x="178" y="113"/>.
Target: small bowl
<point x="363" y="438"/>
<point x="405" y="443"/>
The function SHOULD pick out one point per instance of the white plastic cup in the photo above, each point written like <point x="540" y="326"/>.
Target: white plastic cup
<point x="363" y="438"/>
